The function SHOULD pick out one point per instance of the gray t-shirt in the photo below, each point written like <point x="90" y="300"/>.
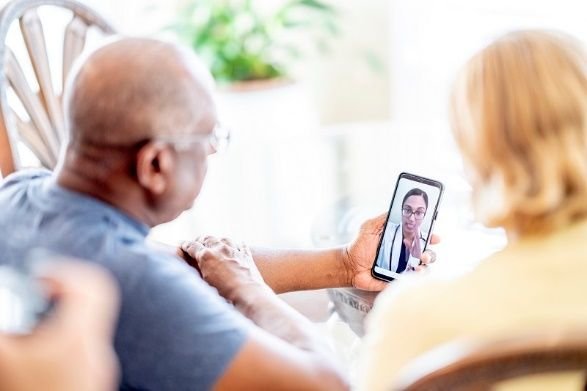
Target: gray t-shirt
<point x="174" y="331"/>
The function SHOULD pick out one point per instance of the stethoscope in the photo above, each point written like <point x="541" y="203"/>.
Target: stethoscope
<point x="393" y="242"/>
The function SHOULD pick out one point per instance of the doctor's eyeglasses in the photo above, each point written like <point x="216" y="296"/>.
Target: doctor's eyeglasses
<point x="418" y="214"/>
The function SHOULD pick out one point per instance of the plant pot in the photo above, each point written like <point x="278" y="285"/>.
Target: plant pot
<point x="251" y="86"/>
<point x="274" y="108"/>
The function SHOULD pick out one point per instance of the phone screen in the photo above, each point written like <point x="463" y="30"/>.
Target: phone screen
<point x="406" y="234"/>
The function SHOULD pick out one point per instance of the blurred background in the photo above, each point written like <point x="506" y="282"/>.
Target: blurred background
<point x="328" y="102"/>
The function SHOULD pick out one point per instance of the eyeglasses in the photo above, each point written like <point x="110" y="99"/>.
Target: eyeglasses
<point x="218" y="139"/>
<point x="418" y="214"/>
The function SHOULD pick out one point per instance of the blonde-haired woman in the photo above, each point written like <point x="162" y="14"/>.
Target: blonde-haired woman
<point x="519" y="115"/>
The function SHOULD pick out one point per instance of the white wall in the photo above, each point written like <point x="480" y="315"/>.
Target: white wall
<point x="431" y="39"/>
<point x="346" y="85"/>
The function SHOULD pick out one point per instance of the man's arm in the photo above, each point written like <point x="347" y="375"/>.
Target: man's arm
<point x="292" y="270"/>
<point x="345" y="266"/>
<point x="266" y="362"/>
<point x="285" y="352"/>
<point x="295" y="270"/>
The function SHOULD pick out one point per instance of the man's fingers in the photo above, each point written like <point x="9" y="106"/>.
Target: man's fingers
<point x="380" y="219"/>
<point x="229" y="242"/>
<point x="378" y="285"/>
<point x="192" y="248"/>
<point x="375" y="224"/>
<point x="188" y="258"/>
<point x="200" y="253"/>
<point x="373" y="285"/>
<point x="215" y="242"/>
<point x="199" y="248"/>
<point x="245" y="249"/>
<point x="434" y="239"/>
<point x="203" y="239"/>
<point x="180" y="252"/>
<point x="379" y="222"/>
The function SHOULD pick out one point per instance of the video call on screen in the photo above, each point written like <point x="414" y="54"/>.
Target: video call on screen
<point x="408" y="227"/>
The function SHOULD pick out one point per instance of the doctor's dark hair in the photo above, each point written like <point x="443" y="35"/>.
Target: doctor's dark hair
<point x="416" y="192"/>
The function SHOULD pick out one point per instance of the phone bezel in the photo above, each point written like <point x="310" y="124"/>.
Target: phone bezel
<point x="415" y="178"/>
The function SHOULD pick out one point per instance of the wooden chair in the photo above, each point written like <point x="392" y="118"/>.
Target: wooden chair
<point x="39" y="124"/>
<point x="467" y="365"/>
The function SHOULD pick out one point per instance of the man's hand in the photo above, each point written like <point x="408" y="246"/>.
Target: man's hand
<point x="360" y="254"/>
<point x="223" y="264"/>
<point x="72" y="349"/>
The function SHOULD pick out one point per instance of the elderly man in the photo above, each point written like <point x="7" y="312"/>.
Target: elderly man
<point x="141" y="123"/>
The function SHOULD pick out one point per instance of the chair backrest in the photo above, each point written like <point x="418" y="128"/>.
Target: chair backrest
<point x="39" y="124"/>
<point x="473" y="365"/>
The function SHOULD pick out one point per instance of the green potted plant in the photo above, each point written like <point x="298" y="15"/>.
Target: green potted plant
<point x="250" y="41"/>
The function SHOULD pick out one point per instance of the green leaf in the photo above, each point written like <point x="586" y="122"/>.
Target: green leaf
<point x="316" y="4"/>
<point x="238" y="42"/>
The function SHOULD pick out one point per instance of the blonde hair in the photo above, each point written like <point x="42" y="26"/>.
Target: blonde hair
<point x="519" y="115"/>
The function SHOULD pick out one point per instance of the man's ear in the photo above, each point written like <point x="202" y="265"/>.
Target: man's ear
<point x="155" y="165"/>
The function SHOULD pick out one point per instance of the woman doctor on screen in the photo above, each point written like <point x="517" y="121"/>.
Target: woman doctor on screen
<point x="403" y="243"/>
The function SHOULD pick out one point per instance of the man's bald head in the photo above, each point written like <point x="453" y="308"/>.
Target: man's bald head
<point x="133" y="89"/>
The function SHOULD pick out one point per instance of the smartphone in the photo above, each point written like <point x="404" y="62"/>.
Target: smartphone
<point x="406" y="234"/>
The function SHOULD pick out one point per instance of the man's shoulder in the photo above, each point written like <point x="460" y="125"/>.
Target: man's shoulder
<point x="169" y="311"/>
<point x="144" y="268"/>
<point x="170" y="286"/>
<point x="127" y="258"/>
<point x="150" y="263"/>
<point x="23" y="176"/>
